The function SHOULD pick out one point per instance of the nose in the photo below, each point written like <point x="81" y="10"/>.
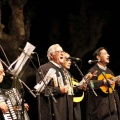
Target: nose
<point x="3" y="73"/>
<point x="62" y="53"/>
<point x="108" y="55"/>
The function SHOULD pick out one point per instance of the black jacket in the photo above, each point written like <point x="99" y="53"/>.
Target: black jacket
<point x="104" y="106"/>
<point x="63" y="109"/>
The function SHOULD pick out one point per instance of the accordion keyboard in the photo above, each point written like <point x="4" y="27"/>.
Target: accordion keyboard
<point x="13" y="99"/>
<point x="10" y="115"/>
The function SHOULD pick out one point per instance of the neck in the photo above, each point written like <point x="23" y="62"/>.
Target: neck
<point x="102" y="66"/>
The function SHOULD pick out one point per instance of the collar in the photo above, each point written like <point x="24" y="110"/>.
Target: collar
<point x="102" y="67"/>
<point x="59" y="66"/>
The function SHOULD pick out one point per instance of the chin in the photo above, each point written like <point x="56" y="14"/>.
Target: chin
<point x="1" y="80"/>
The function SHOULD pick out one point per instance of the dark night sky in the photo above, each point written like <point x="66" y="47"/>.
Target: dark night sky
<point x="48" y="11"/>
<point x="45" y="12"/>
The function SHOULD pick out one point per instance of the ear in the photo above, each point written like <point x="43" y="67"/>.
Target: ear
<point x="98" y="57"/>
<point x="51" y="55"/>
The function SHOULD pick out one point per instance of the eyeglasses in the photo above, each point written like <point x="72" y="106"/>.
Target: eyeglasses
<point x="59" y="51"/>
<point x="68" y="60"/>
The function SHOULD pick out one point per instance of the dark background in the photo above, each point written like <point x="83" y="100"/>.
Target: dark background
<point x="41" y="26"/>
<point x="59" y="9"/>
<point x="46" y="13"/>
<point x="49" y="11"/>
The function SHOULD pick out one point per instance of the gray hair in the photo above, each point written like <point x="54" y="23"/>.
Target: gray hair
<point x="51" y="50"/>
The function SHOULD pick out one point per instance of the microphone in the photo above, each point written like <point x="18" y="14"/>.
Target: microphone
<point x="73" y="58"/>
<point x="93" y="61"/>
<point x="33" y="53"/>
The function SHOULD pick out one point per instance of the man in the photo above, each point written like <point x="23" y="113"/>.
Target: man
<point x="49" y="109"/>
<point x="79" y="92"/>
<point x="3" y="105"/>
<point x="106" y="105"/>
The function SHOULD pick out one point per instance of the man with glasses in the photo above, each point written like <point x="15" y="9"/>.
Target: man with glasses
<point x="62" y="109"/>
<point x="78" y="91"/>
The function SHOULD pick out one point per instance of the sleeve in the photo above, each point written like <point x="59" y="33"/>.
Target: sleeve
<point x="77" y="92"/>
<point x="94" y="82"/>
<point x="54" y="90"/>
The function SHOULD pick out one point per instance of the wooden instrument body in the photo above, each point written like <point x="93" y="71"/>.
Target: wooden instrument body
<point x="105" y="88"/>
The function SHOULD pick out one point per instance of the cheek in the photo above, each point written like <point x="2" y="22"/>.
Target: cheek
<point x="61" y="60"/>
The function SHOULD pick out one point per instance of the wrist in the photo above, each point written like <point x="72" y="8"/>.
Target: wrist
<point x="104" y="81"/>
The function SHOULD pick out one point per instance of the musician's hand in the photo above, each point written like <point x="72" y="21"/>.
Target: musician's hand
<point x="64" y="89"/>
<point x="110" y="81"/>
<point x="118" y="80"/>
<point x="83" y="86"/>
<point x="26" y="106"/>
<point x="3" y="107"/>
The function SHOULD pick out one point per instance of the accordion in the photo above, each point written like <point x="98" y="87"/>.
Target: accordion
<point x="13" y="98"/>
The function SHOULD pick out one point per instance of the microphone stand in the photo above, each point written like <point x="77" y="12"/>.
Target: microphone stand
<point x="46" y="87"/>
<point x="38" y="94"/>
<point x="30" y="91"/>
<point x="22" y="91"/>
<point x="22" y="99"/>
<point x="40" y="73"/>
<point x="4" y="63"/>
<point x="109" y="86"/>
<point x="84" y="77"/>
<point x="22" y="103"/>
<point x="22" y="95"/>
<point x="86" y="82"/>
